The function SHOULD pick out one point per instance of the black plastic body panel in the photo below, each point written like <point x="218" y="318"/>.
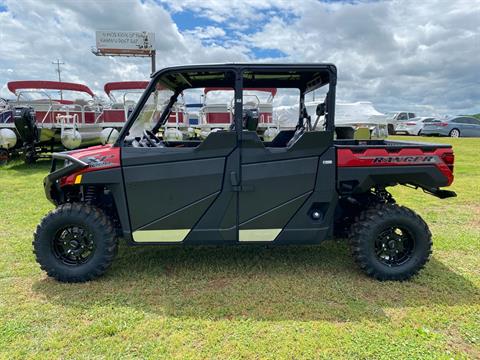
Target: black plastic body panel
<point x="217" y="144"/>
<point x="302" y="228"/>
<point x="184" y="188"/>
<point x="284" y="185"/>
<point x="156" y="190"/>
<point x="112" y="180"/>
<point x="219" y="189"/>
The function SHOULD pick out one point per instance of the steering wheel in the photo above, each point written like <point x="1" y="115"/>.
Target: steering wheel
<point x="152" y="139"/>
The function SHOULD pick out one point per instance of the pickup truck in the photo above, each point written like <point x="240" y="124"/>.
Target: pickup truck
<point x="232" y="188"/>
<point x="396" y="117"/>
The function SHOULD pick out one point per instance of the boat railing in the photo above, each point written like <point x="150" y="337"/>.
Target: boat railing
<point x="35" y="104"/>
<point x="62" y="119"/>
<point x="55" y="108"/>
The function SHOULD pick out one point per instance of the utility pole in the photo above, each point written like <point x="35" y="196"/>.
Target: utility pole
<point x="58" y="63"/>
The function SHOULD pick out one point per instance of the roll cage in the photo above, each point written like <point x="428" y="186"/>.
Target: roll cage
<point x="304" y="77"/>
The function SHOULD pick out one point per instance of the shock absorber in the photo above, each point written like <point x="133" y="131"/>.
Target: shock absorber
<point x="89" y="194"/>
<point x="383" y="195"/>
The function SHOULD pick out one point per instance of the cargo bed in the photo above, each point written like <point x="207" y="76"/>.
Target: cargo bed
<point x="363" y="164"/>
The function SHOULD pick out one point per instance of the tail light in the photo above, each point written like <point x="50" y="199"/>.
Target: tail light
<point x="443" y="124"/>
<point x="449" y="159"/>
<point x="410" y="123"/>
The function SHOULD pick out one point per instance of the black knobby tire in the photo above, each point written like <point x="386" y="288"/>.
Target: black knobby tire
<point x="75" y="264"/>
<point x="374" y="226"/>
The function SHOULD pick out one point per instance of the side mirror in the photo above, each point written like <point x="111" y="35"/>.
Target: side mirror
<point x="321" y="109"/>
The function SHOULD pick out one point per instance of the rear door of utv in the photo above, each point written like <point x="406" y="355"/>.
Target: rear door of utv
<point x="287" y="192"/>
<point x="180" y="194"/>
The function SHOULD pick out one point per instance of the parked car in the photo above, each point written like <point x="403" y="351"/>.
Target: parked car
<point x="396" y="116"/>
<point x="458" y="126"/>
<point x="413" y="126"/>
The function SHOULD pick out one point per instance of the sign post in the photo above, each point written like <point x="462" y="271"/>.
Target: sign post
<point x="126" y="43"/>
<point x="154" y="53"/>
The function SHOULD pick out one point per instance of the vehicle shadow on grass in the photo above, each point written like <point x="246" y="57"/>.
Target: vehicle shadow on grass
<point x="283" y="283"/>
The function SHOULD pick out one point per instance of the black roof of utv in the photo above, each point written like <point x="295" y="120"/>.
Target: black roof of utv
<point x="306" y="76"/>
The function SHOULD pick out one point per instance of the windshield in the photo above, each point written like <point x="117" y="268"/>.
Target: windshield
<point x="152" y="110"/>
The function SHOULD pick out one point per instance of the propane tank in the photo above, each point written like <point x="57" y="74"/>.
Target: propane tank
<point x="109" y="136"/>
<point x="270" y="134"/>
<point x="172" y="134"/>
<point x="71" y="138"/>
<point x="8" y="139"/>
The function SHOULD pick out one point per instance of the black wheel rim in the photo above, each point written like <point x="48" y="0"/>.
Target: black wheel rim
<point x="73" y="245"/>
<point x="394" y="246"/>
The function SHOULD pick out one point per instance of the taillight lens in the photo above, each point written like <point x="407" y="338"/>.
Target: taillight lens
<point x="449" y="159"/>
<point x="443" y="124"/>
<point x="411" y="123"/>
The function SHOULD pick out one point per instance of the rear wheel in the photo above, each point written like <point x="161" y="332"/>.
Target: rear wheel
<point x="75" y="243"/>
<point x="455" y="133"/>
<point x="390" y="242"/>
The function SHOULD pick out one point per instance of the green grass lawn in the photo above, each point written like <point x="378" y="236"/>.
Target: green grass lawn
<point x="245" y="302"/>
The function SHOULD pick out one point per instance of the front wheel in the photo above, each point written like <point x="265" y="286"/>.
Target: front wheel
<point x="390" y="242"/>
<point x="75" y="243"/>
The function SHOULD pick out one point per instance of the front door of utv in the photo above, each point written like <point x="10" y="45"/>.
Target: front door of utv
<point x="181" y="194"/>
<point x="287" y="192"/>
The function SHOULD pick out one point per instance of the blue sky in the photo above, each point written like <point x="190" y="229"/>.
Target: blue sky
<point x="188" y="20"/>
<point x="422" y="56"/>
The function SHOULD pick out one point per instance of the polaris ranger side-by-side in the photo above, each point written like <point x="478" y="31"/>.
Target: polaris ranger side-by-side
<point x="302" y="187"/>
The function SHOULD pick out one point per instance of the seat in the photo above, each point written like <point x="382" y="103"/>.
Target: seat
<point x="344" y="132"/>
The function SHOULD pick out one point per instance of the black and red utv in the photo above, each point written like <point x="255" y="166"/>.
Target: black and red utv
<point x="307" y="185"/>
